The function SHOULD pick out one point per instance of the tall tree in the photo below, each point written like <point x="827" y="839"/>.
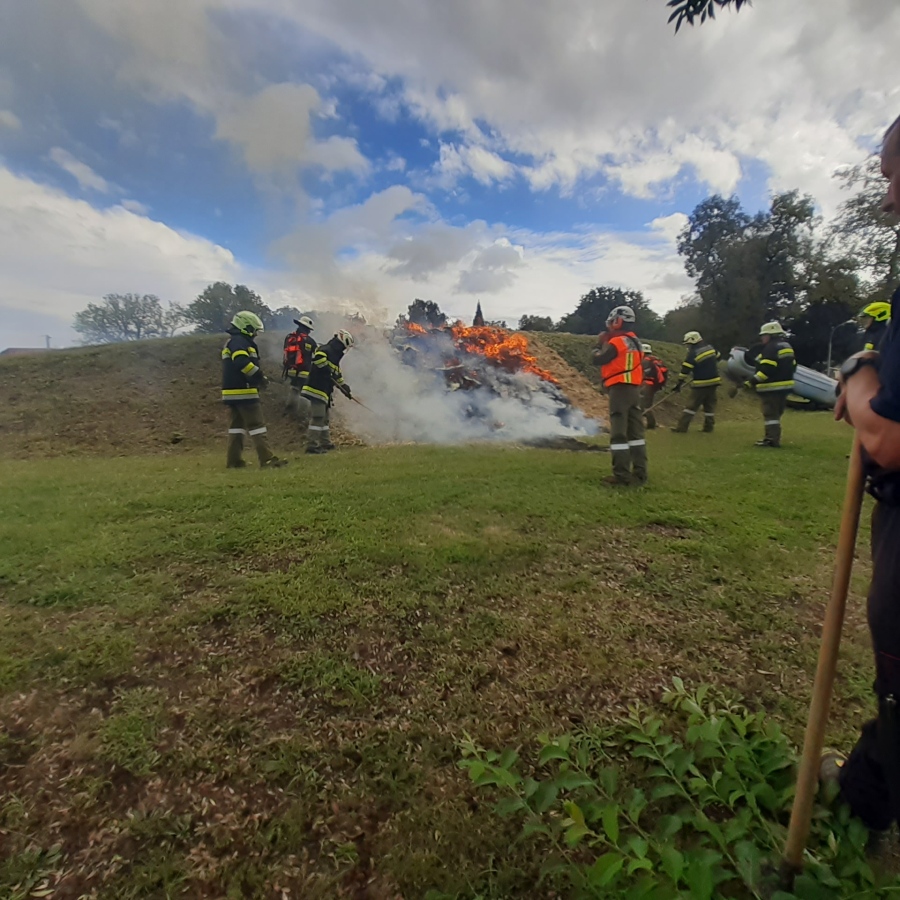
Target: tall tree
<point x="867" y="234"/>
<point x="687" y="316"/>
<point x="425" y="313"/>
<point x="127" y="317"/>
<point x="589" y="316"/>
<point x="215" y="307"/>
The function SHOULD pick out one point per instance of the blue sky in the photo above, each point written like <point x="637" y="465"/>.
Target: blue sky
<point x="357" y="155"/>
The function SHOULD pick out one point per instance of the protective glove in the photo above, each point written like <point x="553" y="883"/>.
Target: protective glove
<point x="678" y="386"/>
<point x="750" y="385"/>
<point x="345" y="390"/>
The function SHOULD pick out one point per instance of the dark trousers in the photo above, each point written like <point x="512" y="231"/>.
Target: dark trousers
<point x="773" y="406"/>
<point x="700" y="397"/>
<point x="866" y="775"/>
<point x="246" y="419"/>
<point x="648" y="395"/>
<point x="626" y="433"/>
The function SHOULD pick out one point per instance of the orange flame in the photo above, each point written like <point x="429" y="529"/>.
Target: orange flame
<point x="509" y="351"/>
<point x="413" y="328"/>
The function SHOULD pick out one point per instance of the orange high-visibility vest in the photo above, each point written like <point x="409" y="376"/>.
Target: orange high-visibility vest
<point x="626" y="368"/>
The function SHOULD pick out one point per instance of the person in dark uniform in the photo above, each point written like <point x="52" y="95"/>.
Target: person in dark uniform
<point x="869" y="400"/>
<point x="874" y="319"/>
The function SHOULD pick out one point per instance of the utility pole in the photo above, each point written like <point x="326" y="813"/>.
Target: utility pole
<point x="47" y="340"/>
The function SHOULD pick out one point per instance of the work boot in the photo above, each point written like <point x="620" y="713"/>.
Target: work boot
<point x="613" y="481"/>
<point x="274" y="463"/>
<point x="709" y="423"/>
<point x="765" y="442"/>
<point x="240" y="464"/>
<point x="328" y="446"/>
<point x="316" y="450"/>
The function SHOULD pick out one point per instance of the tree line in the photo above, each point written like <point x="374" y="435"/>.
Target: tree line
<point x="134" y="317"/>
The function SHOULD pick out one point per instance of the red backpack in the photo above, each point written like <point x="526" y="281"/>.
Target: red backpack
<point x="293" y="351"/>
<point x="655" y="372"/>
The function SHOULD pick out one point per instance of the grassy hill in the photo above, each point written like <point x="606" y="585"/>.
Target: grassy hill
<point x="255" y="684"/>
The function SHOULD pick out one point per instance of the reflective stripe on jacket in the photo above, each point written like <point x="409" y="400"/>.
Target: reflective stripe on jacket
<point x="325" y="371"/>
<point x="775" y="367"/>
<point x="701" y="364"/>
<point x="299" y="348"/>
<point x="241" y="372"/>
<point x="626" y="366"/>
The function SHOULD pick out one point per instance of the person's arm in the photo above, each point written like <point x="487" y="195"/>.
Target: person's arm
<point x="604" y="354"/>
<point x="879" y="436"/>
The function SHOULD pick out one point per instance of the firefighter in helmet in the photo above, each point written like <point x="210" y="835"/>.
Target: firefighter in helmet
<point x="655" y="376"/>
<point x="620" y="359"/>
<point x="299" y="348"/>
<point x="324" y="375"/>
<point x="242" y="380"/>
<point x="773" y="380"/>
<point x="874" y="319"/>
<point x="701" y="365"/>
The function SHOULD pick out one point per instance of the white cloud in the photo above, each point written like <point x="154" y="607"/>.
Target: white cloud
<point x="483" y="165"/>
<point x="58" y="253"/>
<point x="274" y="132"/>
<point x="87" y="178"/>
<point x="136" y="207"/>
<point x="8" y="119"/>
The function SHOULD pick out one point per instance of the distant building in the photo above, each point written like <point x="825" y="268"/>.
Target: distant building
<point x="479" y="318"/>
<point x="25" y="351"/>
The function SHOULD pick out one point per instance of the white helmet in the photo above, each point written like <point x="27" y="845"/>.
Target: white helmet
<point x="305" y="321"/>
<point x="692" y="337"/>
<point x="772" y="328"/>
<point x="345" y="338"/>
<point x="646" y="348"/>
<point x="625" y="313"/>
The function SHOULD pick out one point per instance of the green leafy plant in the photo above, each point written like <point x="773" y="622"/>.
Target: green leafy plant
<point x="690" y="805"/>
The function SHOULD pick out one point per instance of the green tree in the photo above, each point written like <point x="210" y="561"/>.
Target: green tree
<point x="687" y="316"/>
<point x="589" y="316"/>
<point x="689" y="10"/>
<point x="867" y="234"/>
<point x="425" y="313"/>
<point x="215" y="307"/>
<point x="535" y="323"/>
<point x="127" y="317"/>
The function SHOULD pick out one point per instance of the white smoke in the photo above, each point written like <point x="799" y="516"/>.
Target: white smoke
<point x="408" y="403"/>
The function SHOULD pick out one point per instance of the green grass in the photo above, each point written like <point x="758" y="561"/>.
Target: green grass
<point x="219" y="683"/>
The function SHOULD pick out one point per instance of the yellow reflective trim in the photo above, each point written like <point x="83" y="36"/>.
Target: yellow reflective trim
<point x="776" y="386"/>
<point x="314" y="393"/>
<point x="768" y="362"/>
<point x="786" y="352"/>
<point x="241" y="392"/>
<point x="704" y="355"/>
<point x="249" y="369"/>
<point x="707" y="382"/>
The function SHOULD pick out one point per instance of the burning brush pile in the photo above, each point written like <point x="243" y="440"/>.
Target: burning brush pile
<point x="456" y="384"/>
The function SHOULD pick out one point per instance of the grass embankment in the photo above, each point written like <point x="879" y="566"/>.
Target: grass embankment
<point x="236" y="684"/>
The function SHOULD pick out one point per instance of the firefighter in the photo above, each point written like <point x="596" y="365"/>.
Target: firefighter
<point x="620" y="359"/>
<point x="702" y="366"/>
<point x="655" y="376"/>
<point x="873" y="322"/>
<point x="299" y="348"/>
<point x="773" y="380"/>
<point x="870" y="401"/>
<point x="242" y="380"/>
<point x="324" y="375"/>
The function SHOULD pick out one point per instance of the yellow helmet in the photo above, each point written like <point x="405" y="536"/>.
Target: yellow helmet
<point x="692" y="337"/>
<point x="248" y="323"/>
<point x="880" y="311"/>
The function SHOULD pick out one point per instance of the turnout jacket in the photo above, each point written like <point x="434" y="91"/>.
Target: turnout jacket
<point x="873" y="336"/>
<point x="325" y="371"/>
<point x="775" y="367"/>
<point x="701" y="364"/>
<point x="620" y="360"/>
<point x="241" y="373"/>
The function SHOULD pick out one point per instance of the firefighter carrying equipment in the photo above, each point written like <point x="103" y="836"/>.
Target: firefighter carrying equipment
<point x="625" y="313"/>
<point x="655" y="372"/>
<point x="299" y="348"/>
<point x="242" y="376"/>
<point x="626" y="367"/>
<point x="773" y="328"/>
<point x="701" y="364"/>
<point x="325" y="371"/>
<point x="247" y="323"/>
<point x="692" y="337"/>
<point x="775" y="367"/>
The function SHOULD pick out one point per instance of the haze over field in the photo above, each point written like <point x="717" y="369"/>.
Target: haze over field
<point x="330" y="151"/>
